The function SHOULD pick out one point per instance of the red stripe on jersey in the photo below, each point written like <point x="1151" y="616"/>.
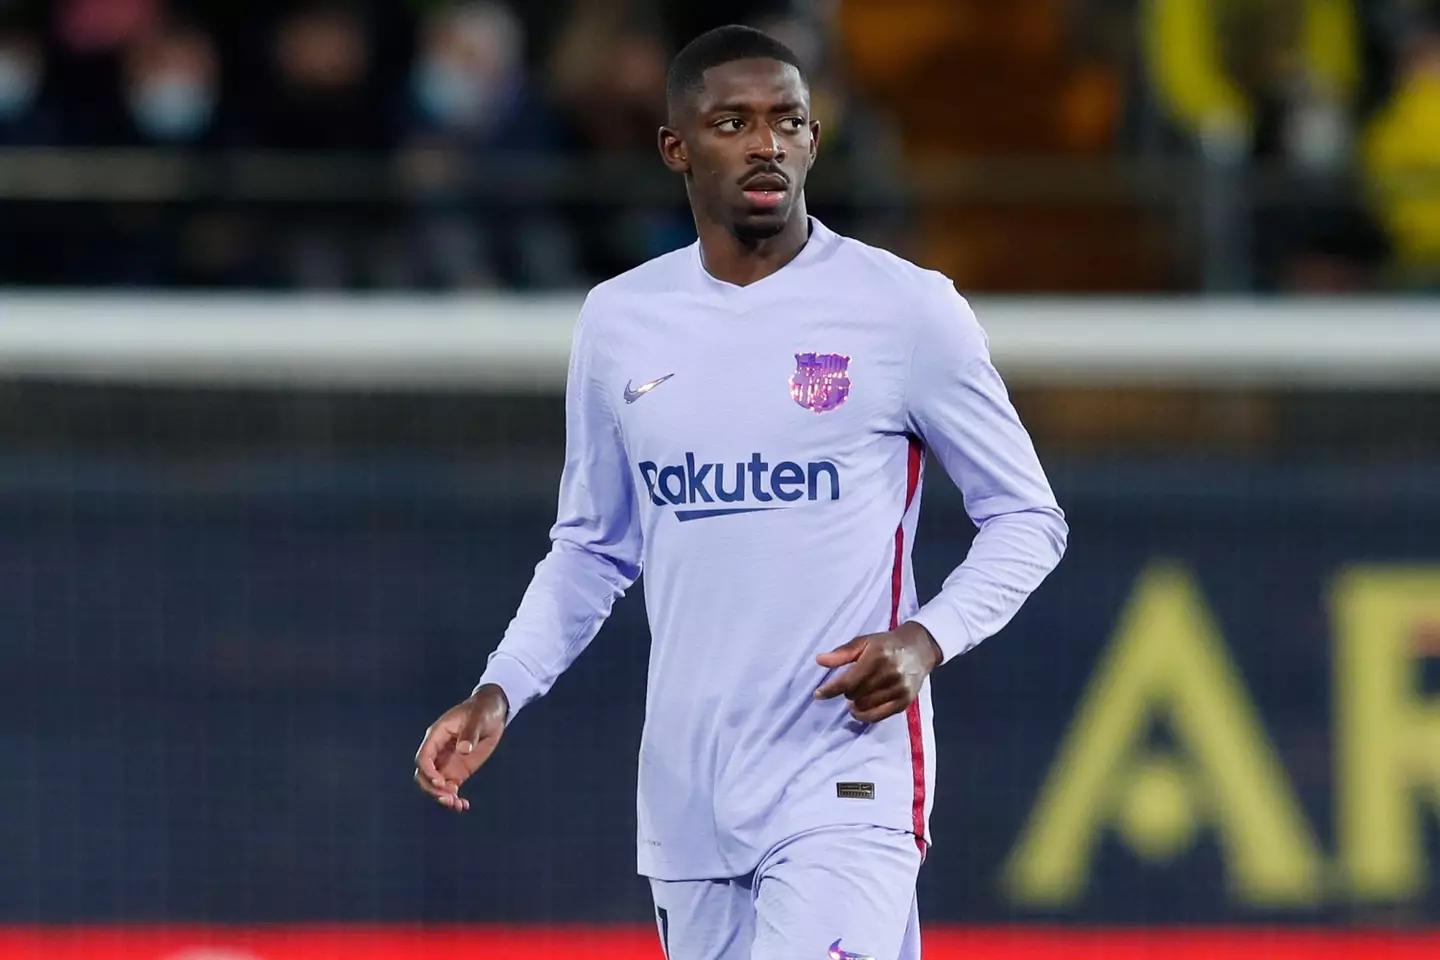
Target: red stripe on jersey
<point x="912" y="713"/>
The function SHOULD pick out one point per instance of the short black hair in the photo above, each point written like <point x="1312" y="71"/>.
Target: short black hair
<point x="721" y="46"/>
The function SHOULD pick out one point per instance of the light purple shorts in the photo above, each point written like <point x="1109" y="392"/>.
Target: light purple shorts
<point x="837" y="893"/>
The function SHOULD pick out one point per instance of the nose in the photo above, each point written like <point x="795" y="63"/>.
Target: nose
<point x="767" y="147"/>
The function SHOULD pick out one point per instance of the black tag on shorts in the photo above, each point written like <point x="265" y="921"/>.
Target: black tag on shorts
<point x="855" y="791"/>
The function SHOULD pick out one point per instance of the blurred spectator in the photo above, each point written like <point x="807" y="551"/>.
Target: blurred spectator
<point x="172" y="80"/>
<point x="1276" y="81"/>
<point x="324" y="95"/>
<point x="87" y="77"/>
<point x="97" y="26"/>
<point x="1401" y="159"/>
<point x="1275" y="78"/>
<point x="608" y="72"/>
<point x="24" y="118"/>
<point x="469" y="84"/>
<point x="471" y="102"/>
<point x="1105" y="34"/>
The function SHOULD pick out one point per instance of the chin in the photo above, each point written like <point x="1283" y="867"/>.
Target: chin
<point x="753" y="227"/>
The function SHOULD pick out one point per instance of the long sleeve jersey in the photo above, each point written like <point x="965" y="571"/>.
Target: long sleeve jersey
<point x="758" y="451"/>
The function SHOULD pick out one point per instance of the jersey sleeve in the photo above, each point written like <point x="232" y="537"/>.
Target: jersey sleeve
<point x="957" y="405"/>
<point x="595" y="542"/>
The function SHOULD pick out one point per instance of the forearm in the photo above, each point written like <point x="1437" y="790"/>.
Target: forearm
<point x="568" y="599"/>
<point x="1011" y="555"/>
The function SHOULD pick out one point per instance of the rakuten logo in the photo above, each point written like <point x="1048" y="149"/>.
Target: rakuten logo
<point x="749" y="482"/>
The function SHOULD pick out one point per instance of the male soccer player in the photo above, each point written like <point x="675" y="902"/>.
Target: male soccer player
<point x="746" y="420"/>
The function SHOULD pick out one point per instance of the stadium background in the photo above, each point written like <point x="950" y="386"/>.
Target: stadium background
<point x="287" y="296"/>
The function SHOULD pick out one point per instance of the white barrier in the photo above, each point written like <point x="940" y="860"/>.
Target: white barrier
<point x="512" y="343"/>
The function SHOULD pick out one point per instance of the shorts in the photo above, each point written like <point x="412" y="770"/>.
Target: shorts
<point x="835" y="893"/>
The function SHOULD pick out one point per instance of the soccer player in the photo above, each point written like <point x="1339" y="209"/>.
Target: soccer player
<point x="747" y="421"/>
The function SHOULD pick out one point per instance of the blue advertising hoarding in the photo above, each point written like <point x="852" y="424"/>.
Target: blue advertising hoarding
<point x="1221" y="708"/>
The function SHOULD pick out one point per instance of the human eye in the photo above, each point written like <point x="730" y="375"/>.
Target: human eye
<point x="731" y="124"/>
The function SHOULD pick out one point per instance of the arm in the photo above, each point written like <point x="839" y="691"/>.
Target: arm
<point x="595" y="551"/>
<point x="594" y="557"/>
<point x="957" y="404"/>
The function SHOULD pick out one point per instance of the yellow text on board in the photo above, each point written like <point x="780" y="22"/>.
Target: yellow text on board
<point x="1168" y="662"/>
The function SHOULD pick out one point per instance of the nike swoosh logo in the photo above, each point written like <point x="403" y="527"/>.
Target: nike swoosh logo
<point x="635" y="393"/>
<point x="836" y="953"/>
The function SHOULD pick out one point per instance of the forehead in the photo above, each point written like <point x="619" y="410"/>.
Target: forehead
<point x="755" y="83"/>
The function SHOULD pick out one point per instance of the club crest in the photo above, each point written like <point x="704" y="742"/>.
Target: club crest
<point x="821" y="381"/>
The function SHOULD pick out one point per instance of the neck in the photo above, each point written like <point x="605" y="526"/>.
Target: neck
<point x="730" y="259"/>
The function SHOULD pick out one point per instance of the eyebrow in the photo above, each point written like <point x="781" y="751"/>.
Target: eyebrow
<point x="735" y="106"/>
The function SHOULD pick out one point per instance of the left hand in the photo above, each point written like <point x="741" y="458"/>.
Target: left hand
<point x="886" y="671"/>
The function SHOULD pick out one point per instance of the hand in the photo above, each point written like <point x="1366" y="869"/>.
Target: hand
<point x="458" y="744"/>
<point x="886" y="671"/>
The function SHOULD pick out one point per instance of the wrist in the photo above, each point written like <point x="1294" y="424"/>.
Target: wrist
<point x="517" y="684"/>
<point x="927" y="642"/>
<point x="492" y="696"/>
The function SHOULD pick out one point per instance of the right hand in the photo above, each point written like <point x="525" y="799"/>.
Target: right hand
<point x="458" y="744"/>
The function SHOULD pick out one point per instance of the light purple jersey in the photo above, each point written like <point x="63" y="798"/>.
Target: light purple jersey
<point x="758" y="452"/>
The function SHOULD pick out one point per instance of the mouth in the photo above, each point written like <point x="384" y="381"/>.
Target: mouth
<point x="766" y="190"/>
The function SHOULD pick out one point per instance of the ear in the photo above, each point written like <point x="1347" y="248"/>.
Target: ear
<point x="814" y="143"/>
<point x="673" y="150"/>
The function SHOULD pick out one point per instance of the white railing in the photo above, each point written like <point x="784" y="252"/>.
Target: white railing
<point x="510" y="343"/>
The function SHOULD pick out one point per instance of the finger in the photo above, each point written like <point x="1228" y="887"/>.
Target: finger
<point x="845" y="681"/>
<point x="837" y="685"/>
<point x="875" y="714"/>
<point x="426" y="785"/>
<point x="425" y="758"/>
<point x="872" y="699"/>
<point x="843" y="654"/>
<point x="457" y="768"/>
<point x="881" y="677"/>
<point x="451" y="800"/>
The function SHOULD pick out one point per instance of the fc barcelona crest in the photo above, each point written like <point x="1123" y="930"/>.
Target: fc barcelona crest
<point x="821" y="381"/>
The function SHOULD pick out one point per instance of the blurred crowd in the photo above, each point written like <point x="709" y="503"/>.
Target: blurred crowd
<point x="1339" y="98"/>
<point x="435" y="87"/>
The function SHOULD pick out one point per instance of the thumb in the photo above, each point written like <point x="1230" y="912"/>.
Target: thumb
<point x="843" y="654"/>
<point x="471" y="730"/>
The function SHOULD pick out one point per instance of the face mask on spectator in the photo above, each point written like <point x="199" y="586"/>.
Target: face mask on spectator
<point x="470" y="65"/>
<point x="172" y="108"/>
<point x="455" y="97"/>
<point x="18" y="83"/>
